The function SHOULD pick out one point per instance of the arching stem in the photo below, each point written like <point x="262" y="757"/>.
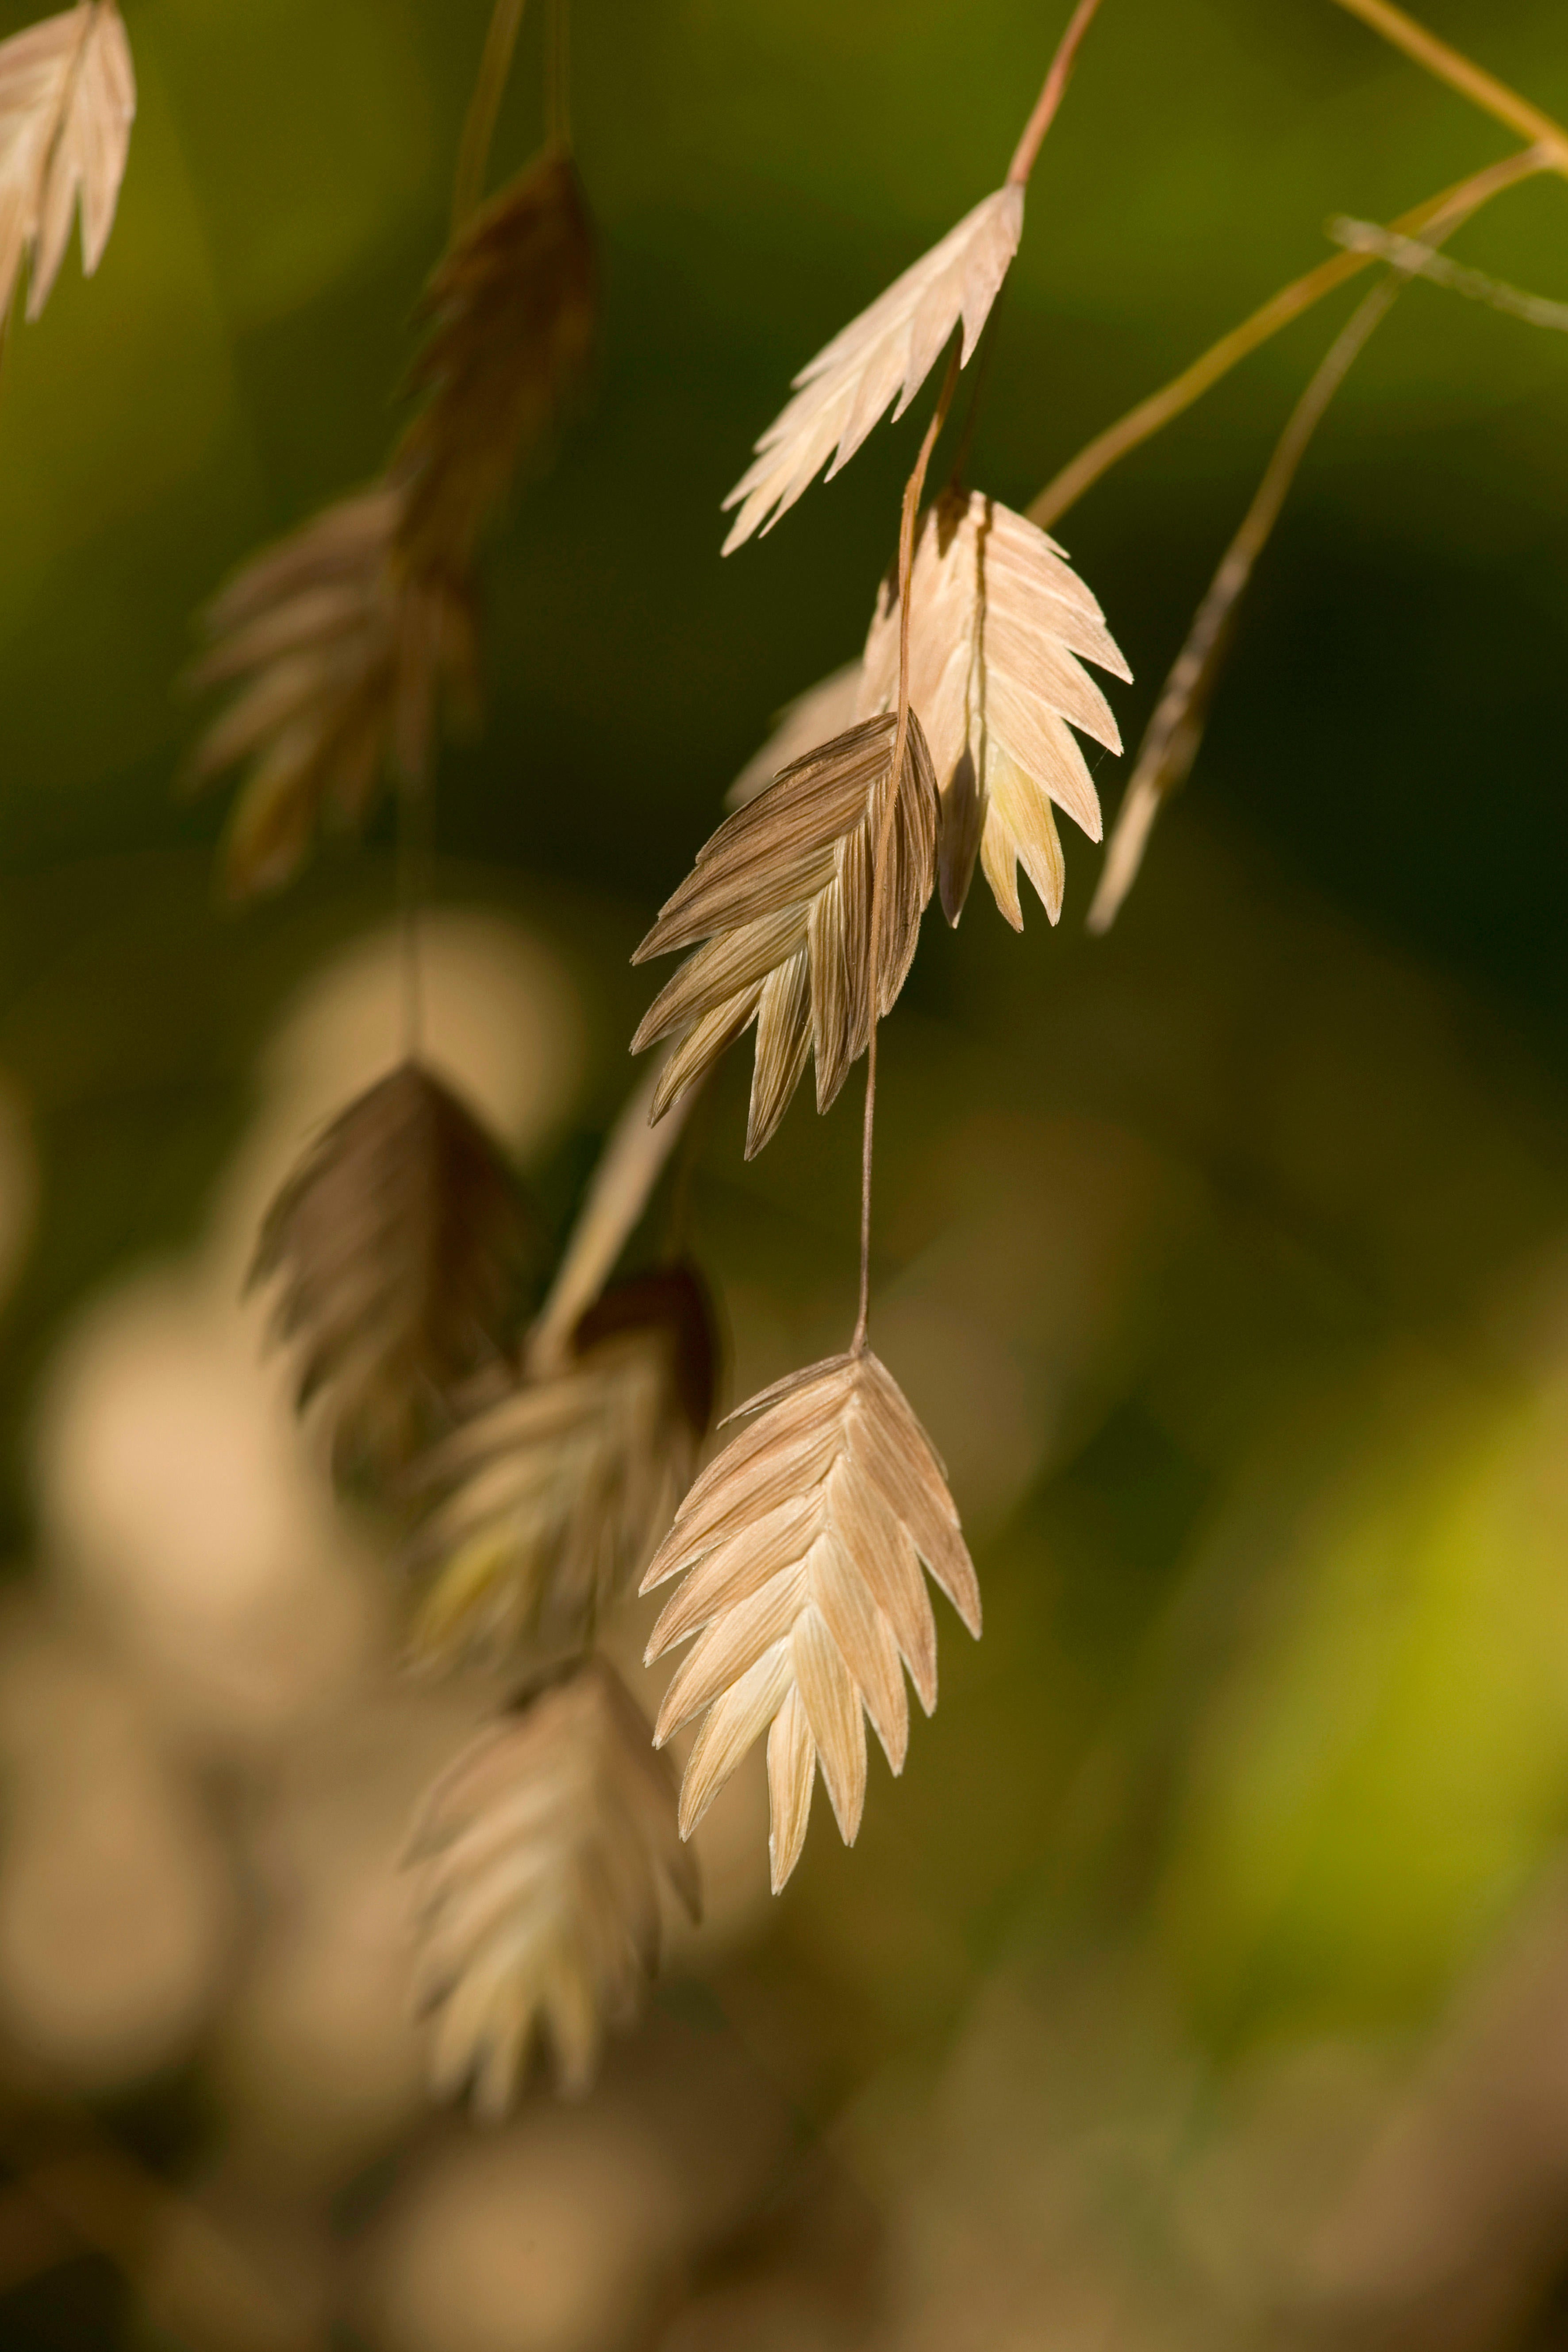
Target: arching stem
<point x="912" y="490"/>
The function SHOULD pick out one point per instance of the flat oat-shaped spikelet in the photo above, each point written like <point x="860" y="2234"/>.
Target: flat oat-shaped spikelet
<point x="396" y="1245"/>
<point x="801" y="1547"/>
<point x="553" y="1497"/>
<point x="67" y="99"/>
<point x="509" y="321"/>
<point x="541" y="1854"/>
<point x="1000" y="627"/>
<point x="782" y="896"/>
<point x="888" y="351"/>
<point x="340" y="658"/>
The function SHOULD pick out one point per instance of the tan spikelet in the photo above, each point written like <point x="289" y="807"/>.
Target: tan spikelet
<point x="782" y="895"/>
<point x="1001" y="626"/>
<point x="509" y="321"/>
<point x="542" y="1856"/>
<point x="554" y="1497"/>
<point x="396" y="1244"/>
<point x="342" y="659"/>
<point x="801" y="1548"/>
<point x="67" y="99"/>
<point x="886" y="352"/>
<point x="823" y="711"/>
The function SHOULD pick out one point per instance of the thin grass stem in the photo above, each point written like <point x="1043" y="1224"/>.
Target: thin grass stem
<point x="629" y="1167"/>
<point x="1413" y="259"/>
<point x="484" y="108"/>
<point x="912" y="494"/>
<point x="1461" y="73"/>
<point x="1051" y="93"/>
<point x="1151" y="416"/>
<point x="1171" y="740"/>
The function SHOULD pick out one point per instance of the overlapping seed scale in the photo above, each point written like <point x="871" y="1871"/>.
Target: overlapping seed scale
<point x="1045" y="747"/>
<point x="1020" y="830"/>
<point x="542" y="1853"/>
<point x="887" y="352"/>
<point x="775" y="852"/>
<point x="793" y="951"/>
<point x="725" y="967"/>
<point x="803" y="1547"/>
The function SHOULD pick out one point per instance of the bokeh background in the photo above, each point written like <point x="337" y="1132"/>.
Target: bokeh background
<point x="1204" y="1981"/>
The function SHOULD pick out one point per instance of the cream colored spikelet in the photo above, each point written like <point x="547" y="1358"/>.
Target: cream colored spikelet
<point x="542" y="1856"/>
<point x="782" y="896"/>
<point x="556" y="1495"/>
<point x="67" y="99"/>
<point x="884" y="353"/>
<point x="801" y="1547"/>
<point x="1001" y="626"/>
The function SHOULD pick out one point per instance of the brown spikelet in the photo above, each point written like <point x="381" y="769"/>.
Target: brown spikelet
<point x="341" y="659"/>
<point x="887" y="352"/>
<point x="67" y="99"/>
<point x="1000" y="627"/>
<point x="782" y="896"/>
<point x="801" y="1548"/>
<point x="542" y="1855"/>
<point x="509" y="321"/>
<point x="396" y="1244"/>
<point x="554" y="1497"/>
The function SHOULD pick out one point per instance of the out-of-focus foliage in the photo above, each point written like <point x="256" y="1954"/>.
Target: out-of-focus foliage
<point x="1205" y="1977"/>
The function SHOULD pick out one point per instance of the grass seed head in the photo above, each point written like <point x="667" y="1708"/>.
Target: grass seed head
<point x="1001" y="626"/>
<point x="884" y="353"/>
<point x="509" y="319"/>
<point x="341" y="659"/>
<point x="396" y="1245"/>
<point x="553" y="1497"/>
<point x="67" y="99"/>
<point x="801" y="1548"/>
<point x="782" y="898"/>
<point x="542" y="1856"/>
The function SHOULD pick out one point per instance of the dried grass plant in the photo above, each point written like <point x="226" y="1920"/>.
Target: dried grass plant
<point x="567" y="1445"/>
<point x="67" y="99"/>
<point x="541" y="1857"/>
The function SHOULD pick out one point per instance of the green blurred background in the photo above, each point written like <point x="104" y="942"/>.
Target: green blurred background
<point x="1207" y="1978"/>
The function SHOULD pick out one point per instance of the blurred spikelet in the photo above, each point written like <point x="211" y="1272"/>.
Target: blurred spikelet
<point x="997" y="621"/>
<point x="67" y="99"/>
<point x="801" y="1548"/>
<point x="342" y="657"/>
<point x="557" y="1495"/>
<point x="396" y="1244"/>
<point x="348" y="638"/>
<point x="782" y="894"/>
<point x="543" y="1854"/>
<point x="889" y="350"/>
<point x="509" y="321"/>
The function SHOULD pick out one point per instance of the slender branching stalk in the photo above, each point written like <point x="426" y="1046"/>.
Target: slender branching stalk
<point x="1413" y="259"/>
<point x="1152" y="416"/>
<point x="622" y="1183"/>
<point x="913" y="490"/>
<point x="1054" y="89"/>
<point x="1170" y="741"/>
<point x="1461" y="73"/>
<point x="484" y="108"/>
